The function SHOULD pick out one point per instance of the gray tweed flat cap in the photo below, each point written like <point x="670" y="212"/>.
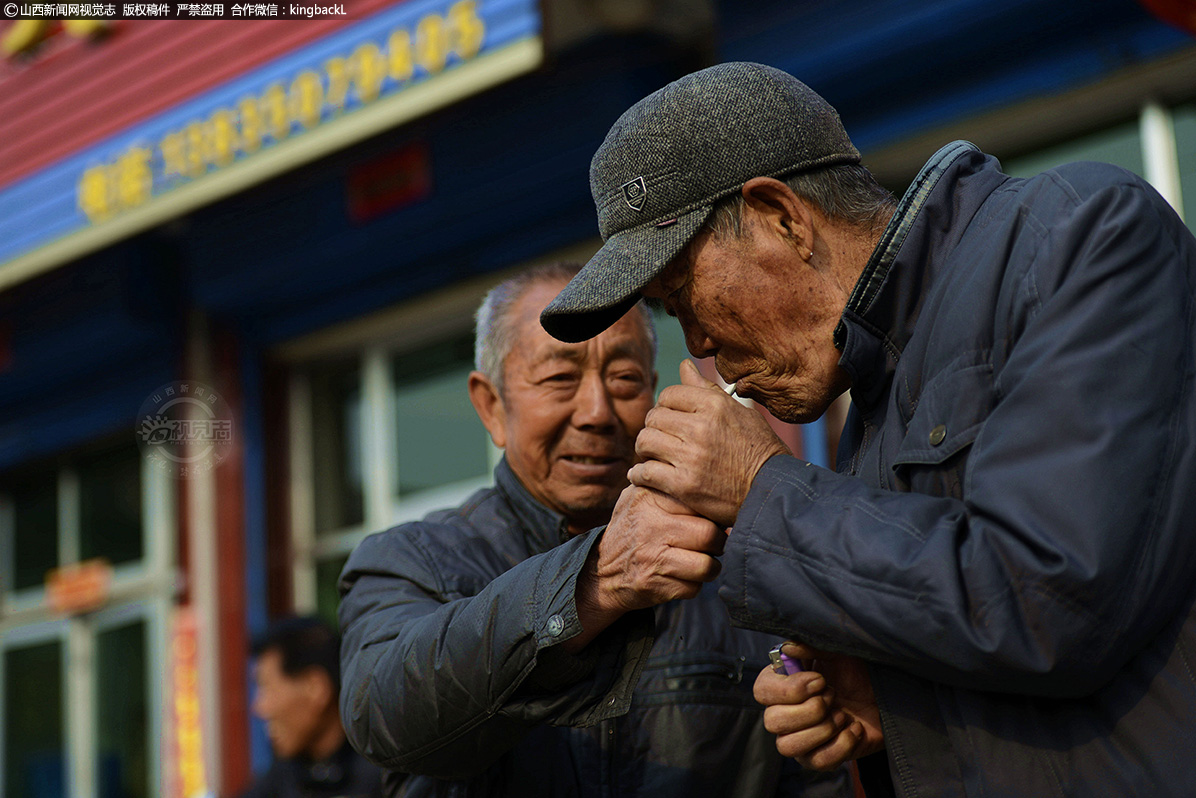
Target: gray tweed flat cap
<point x="669" y="158"/>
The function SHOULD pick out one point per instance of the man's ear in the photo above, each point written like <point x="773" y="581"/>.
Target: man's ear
<point x="489" y="406"/>
<point x="781" y="210"/>
<point x="319" y="685"/>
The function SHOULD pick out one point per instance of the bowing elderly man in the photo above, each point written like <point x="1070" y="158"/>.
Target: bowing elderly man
<point x="998" y="584"/>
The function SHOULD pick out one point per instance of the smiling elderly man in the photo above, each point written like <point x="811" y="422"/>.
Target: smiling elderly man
<point x="1007" y="549"/>
<point x="464" y="659"/>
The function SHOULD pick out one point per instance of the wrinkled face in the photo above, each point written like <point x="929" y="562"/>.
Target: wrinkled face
<point x="569" y="413"/>
<point x="293" y="707"/>
<point x="766" y="316"/>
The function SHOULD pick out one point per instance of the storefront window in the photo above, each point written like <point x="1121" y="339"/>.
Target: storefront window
<point x="33" y="532"/>
<point x="670" y="350"/>
<point x="110" y="505"/>
<point x="439" y="439"/>
<point x="327" y="597"/>
<point x="1185" y="142"/>
<point x="122" y="713"/>
<point x="34" y="739"/>
<point x="1120" y="145"/>
<point x="80" y="680"/>
<point x="336" y="447"/>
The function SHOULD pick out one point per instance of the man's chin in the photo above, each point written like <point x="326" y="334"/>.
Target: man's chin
<point x="284" y="750"/>
<point x="590" y="511"/>
<point x="790" y="414"/>
<point x="785" y="409"/>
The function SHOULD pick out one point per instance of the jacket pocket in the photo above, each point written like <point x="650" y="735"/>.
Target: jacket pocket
<point x="698" y="677"/>
<point x="951" y="411"/>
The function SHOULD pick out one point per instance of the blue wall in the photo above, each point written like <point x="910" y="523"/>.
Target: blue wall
<point x="894" y="68"/>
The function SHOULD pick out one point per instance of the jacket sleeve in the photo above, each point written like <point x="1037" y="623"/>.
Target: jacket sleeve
<point x="1072" y="544"/>
<point x="441" y="676"/>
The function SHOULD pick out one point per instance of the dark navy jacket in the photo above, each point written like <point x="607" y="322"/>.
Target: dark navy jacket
<point x="1011" y="541"/>
<point x="451" y="670"/>
<point x="343" y="775"/>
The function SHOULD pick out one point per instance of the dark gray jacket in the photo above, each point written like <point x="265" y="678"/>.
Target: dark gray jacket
<point x="451" y="669"/>
<point x="1012" y="541"/>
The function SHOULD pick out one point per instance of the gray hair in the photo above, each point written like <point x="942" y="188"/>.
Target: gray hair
<point x="848" y="193"/>
<point x="494" y="330"/>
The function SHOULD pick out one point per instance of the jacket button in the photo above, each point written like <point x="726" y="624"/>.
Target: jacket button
<point x="556" y="625"/>
<point x="938" y="434"/>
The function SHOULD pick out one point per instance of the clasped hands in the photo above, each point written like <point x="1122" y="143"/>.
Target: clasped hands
<point x="699" y="452"/>
<point x="703" y="448"/>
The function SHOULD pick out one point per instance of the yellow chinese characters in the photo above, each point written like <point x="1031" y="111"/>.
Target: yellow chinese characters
<point x="127" y="183"/>
<point x="282" y="109"/>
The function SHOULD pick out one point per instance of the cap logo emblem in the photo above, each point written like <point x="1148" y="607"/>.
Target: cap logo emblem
<point x="634" y="192"/>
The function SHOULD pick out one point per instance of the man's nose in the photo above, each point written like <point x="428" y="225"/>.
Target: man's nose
<point x="698" y="342"/>
<point x="258" y="707"/>
<point x="594" y="408"/>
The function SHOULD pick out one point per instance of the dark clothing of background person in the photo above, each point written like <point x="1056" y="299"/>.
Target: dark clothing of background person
<point x="1012" y="528"/>
<point x="451" y="670"/>
<point x="345" y="775"/>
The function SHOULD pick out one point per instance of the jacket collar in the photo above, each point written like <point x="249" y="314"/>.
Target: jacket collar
<point x="884" y="306"/>
<point x="543" y="529"/>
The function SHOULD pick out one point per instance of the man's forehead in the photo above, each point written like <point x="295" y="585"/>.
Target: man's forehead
<point x="622" y="339"/>
<point x="628" y="336"/>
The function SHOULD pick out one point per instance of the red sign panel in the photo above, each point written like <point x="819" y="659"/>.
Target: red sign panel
<point x="389" y="183"/>
<point x="82" y="587"/>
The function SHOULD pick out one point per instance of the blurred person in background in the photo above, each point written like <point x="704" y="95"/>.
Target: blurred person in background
<point x="297" y="673"/>
<point x="466" y="659"/>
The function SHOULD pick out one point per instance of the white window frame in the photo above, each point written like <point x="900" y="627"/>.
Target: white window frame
<point x="25" y="636"/>
<point x="382" y="507"/>
<point x="143" y="590"/>
<point x="374" y="341"/>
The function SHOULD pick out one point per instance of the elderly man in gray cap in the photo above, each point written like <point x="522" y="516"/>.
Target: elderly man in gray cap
<point x="998" y="585"/>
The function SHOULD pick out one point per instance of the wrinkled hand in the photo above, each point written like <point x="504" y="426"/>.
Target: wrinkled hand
<point x="825" y="715"/>
<point x="654" y="550"/>
<point x="702" y="447"/>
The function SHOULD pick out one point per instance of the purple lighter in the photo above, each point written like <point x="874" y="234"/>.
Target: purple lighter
<point x="782" y="663"/>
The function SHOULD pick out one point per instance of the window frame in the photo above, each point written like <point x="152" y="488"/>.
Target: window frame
<point x="144" y="589"/>
<point x="382" y="505"/>
<point x="373" y="342"/>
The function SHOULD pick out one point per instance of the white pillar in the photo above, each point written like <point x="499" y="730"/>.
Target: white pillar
<point x="81" y="709"/>
<point x="377" y="439"/>
<point x="302" y="494"/>
<point x="1159" y="153"/>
